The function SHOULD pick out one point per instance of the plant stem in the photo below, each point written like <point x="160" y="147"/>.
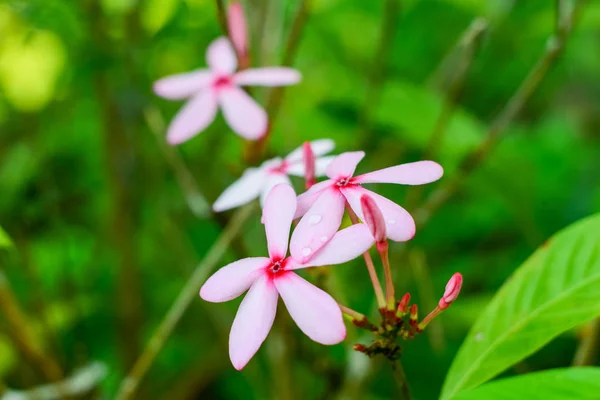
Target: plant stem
<point x="188" y="293"/>
<point x="370" y="266"/>
<point x="389" y="281"/>
<point x="222" y="16"/>
<point x="554" y="48"/>
<point x="401" y="381"/>
<point x="351" y="313"/>
<point x="589" y="347"/>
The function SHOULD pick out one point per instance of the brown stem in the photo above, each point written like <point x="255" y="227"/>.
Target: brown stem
<point x="370" y="266"/>
<point x="222" y="15"/>
<point x="400" y="378"/>
<point x="589" y="347"/>
<point x="498" y="127"/>
<point x="188" y="293"/>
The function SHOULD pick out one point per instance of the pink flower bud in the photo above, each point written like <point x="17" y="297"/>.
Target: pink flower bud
<point x="403" y="304"/>
<point x="309" y="165"/>
<point x="414" y="313"/>
<point x="452" y="290"/>
<point x="236" y="22"/>
<point x="373" y="218"/>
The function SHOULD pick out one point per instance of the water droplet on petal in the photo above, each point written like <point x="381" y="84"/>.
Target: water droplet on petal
<point x="314" y="219"/>
<point x="391" y="221"/>
<point x="306" y="251"/>
<point x="324" y="239"/>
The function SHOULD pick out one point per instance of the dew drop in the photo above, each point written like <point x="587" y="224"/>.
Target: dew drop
<point x="479" y="337"/>
<point x="306" y="251"/>
<point x="391" y="221"/>
<point x="324" y="239"/>
<point x="314" y="219"/>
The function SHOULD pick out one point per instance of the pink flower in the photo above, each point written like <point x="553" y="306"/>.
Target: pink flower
<point x="220" y="86"/>
<point x="236" y="24"/>
<point x="452" y="290"/>
<point x="316" y="313"/>
<point x="323" y="205"/>
<point x="259" y="181"/>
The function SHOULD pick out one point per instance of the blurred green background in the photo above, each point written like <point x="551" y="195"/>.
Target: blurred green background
<point x="103" y="236"/>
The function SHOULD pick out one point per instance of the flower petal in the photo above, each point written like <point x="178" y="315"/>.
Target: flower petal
<point x="220" y="56"/>
<point x="252" y="322"/>
<point x="416" y="173"/>
<point x="268" y="76"/>
<point x="344" y="246"/>
<point x="308" y="198"/>
<point x="182" y="86"/>
<point x="244" y="190"/>
<point x="343" y="166"/>
<point x="233" y="279"/>
<point x="316" y="313"/>
<point x="242" y="113"/>
<point x="318" y="225"/>
<point x="278" y="212"/>
<point x="196" y="115"/>
<point x="319" y="148"/>
<point x="321" y="165"/>
<point x="399" y="224"/>
<point x="273" y="179"/>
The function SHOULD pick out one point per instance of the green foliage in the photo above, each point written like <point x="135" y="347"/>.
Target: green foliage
<point x="555" y="290"/>
<point x="5" y="241"/>
<point x="564" y="384"/>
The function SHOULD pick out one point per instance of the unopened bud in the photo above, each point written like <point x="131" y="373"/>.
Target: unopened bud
<point x="238" y="32"/>
<point x="359" y="347"/>
<point x="452" y="290"/>
<point x="414" y="313"/>
<point x="403" y="304"/>
<point x="373" y="218"/>
<point x="309" y="165"/>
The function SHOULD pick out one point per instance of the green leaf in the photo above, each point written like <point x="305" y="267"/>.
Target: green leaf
<point x="555" y="290"/>
<point x="565" y="384"/>
<point x="5" y="241"/>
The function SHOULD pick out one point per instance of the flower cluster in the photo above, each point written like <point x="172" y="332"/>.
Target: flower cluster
<point x="317" y="239"/>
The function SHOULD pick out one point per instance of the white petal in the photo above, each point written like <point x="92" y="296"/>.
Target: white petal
<point x="242" y="113"/>
<point x="196" y="115"/>
<point x="182" y="86"/>
<point x="319" y="148"/>
<point x="252" y="322"/>
<point x="242" y="191"/>
<point x="321" y="165"/>
<point x="308" y="198"/>
<point x="220" y="56"/>
<point x="272" y="179"/>
<point x="316" y="313"/>
<point x="278" y="212"/>
<point x="343" y="166"/>
<point x="268" y="76"/>
<point x="233" y="279"/>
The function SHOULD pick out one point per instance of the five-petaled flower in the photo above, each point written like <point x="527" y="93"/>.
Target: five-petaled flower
<point x="315" y="312"/>
<point x="220" y="86"/>
<point x="322" y="206"/>
<point x="259" y="181"/>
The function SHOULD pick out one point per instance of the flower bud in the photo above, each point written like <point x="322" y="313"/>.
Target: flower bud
<point x="373" y="218"/>
<point x="309" y="165"/>
<point x="403" y="304"/>
<point x="236" y="22"/>
<point x="414" y="313"/>
<point x="452" y="290"/>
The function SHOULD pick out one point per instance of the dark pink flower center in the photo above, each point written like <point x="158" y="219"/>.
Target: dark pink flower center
<point x="342" y="182"/>
<point x="281" y="169"/>
<point x="276" y="268"/>
<point x="222" y="82"/>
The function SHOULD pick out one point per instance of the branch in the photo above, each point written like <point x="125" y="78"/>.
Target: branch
<point x="554" y="48"/>
<point x="186" y="295"/>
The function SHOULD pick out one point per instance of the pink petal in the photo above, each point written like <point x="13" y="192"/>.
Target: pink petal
<point x="319" y="148"/>
<point x="399" y="224"/>
<point x="344" y="246"/>
<point x="242" y="191"/>
<point x="316" y="313"/>
<point x="318" y="225"/>
<point x="233" y="279"/>
<point x="321" y="165"/>
<point x="272" y="179"/>
<point x="182" y="86"/>
<point x="343" y="166"/>
<point x="196" y="115"/>
<point x="416" y="173"/>
<point x="278" y="212"/>
<point x="268" y="76"/>
<point x="220" y="56"/>
<point x="252" y="322"/>
<point x="242" y="113"/>
<point x="308" y="198"/>
<point x="236" y="22"/>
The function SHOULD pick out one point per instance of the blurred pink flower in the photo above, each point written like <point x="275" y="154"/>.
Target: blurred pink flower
<point x="322" y="206"/>
<point x="259" y="181"/>
<point x="238" y="31"/>
<point x="315" y="312"/>
<point x="219" y="85"/>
